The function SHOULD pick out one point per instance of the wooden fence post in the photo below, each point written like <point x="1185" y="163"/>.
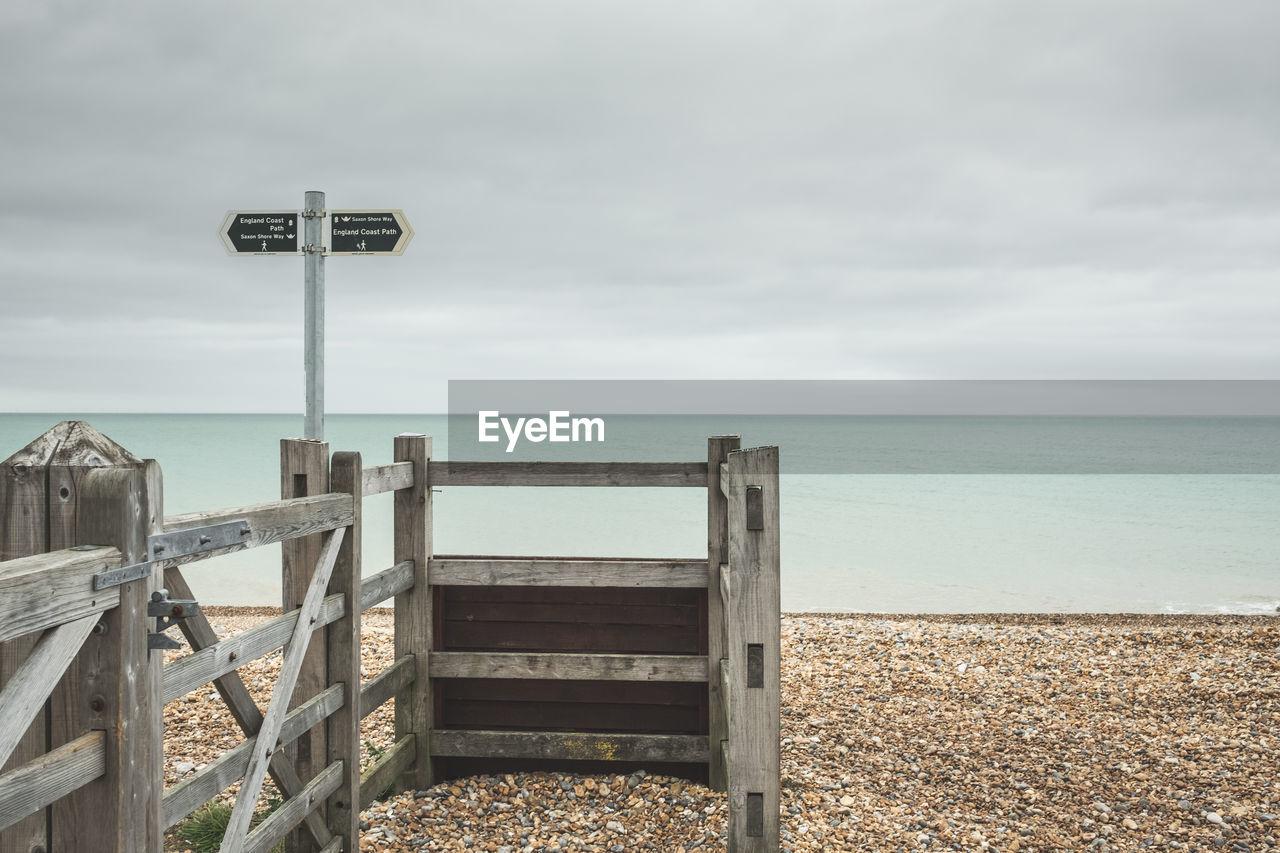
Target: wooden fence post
<point x="754" y="650"/>
<point x="304" y="471"/>
<point x="718" y="448"/>
<point x="343" y="657"/>
<point x="45" y="506"/>
<point x="414" y="609"/>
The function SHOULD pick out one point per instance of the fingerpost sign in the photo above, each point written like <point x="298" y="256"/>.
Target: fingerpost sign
<point x="292" y="232"/>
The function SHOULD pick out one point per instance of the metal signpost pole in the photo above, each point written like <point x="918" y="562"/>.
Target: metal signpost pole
<point x="313" y="211"/>
<point x="353" y="232"/>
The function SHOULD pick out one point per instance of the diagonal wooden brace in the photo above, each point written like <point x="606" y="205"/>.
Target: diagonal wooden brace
<point x="265" y="742"/>
<point x="200" y="635"/>
<point x="26" y="691"/>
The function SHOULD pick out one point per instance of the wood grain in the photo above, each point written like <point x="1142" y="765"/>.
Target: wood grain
<point x="647" y="474"/>
<point x="579" y="746"/>
<point x="569" y="666"/>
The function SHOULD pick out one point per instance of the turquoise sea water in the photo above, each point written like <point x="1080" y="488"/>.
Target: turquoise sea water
<point x="906" y="534"/>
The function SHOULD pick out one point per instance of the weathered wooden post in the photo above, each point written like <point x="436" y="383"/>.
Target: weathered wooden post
<point x="304" y="471"/>
<point x="74" y="486"/>
<point x="25" y="509"/>
<point x="754" y="648"/>
<point x="414" y="608"/>
<point x="343" y="662"/>
<point x="718" y="448"/>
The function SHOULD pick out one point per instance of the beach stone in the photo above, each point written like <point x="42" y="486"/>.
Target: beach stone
<point x="931" y="760"/>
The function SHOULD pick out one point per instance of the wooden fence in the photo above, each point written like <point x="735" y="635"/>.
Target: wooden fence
<point x="500" y="662"/>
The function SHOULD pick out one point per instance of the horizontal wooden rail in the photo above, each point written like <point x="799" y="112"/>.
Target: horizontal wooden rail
<point x="194" y="791"/>
<point x="44" y="780"/>
<point x="273" y="521"/>
<point x="199" y="668"/>
<point x="50" y="589"/>
<point x="294" y="810"/>
<point x="386" y="684"/>
<point x="384" y="772"/>
<point x="656" y="474"/>
<point x="566" y="571"/>
<point x="581" y="746"/>
<point x="386" y="478"/>
<point x="588" y="667"/>
<point x="385" y="584"/>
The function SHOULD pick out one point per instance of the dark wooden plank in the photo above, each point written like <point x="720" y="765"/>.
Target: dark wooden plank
<point x="580" y="746"/>
<point x="649" y="474"/>
<point x="602" y="692"/>
<point x="649" y="615"/>
<point x="462" y="634"/>
<point x="571" y="716"/>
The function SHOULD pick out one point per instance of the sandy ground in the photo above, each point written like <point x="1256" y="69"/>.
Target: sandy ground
<point x="1001" y="732"/>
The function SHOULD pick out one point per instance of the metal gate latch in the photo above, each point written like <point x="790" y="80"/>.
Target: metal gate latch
<point x="167" y="612"/>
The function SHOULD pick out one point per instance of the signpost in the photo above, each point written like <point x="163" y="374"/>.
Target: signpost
<point x="368" y="232"/>
<point x="350" y="232"/>
<point x="260" y="232"/>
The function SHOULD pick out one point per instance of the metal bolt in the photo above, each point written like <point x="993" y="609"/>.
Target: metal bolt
<point x="205" y="540"/>
<point x="97" y="704"/>
<point x="158" y="548"/>
<point x="100" y="628"/>
<point x="233" y="656"/>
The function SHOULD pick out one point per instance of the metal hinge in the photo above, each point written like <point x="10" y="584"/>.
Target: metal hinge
<point x="177" y="543"/>
<point x="167" y="611"/>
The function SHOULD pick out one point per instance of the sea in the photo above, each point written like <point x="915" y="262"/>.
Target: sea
<point x="878" y="514"/>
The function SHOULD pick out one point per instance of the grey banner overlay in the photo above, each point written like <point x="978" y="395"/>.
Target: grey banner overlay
<point x="888" y="427"/>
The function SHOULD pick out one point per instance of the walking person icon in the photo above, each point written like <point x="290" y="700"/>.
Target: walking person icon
<point x="264" y="245"/>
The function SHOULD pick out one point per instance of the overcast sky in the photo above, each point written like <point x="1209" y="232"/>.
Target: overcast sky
<point x="939" y="190"/>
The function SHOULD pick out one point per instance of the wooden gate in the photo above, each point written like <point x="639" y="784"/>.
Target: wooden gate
<point x="500" y="662"/>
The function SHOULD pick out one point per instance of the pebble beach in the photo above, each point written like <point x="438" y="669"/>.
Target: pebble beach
<point x="995" y="732"/>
